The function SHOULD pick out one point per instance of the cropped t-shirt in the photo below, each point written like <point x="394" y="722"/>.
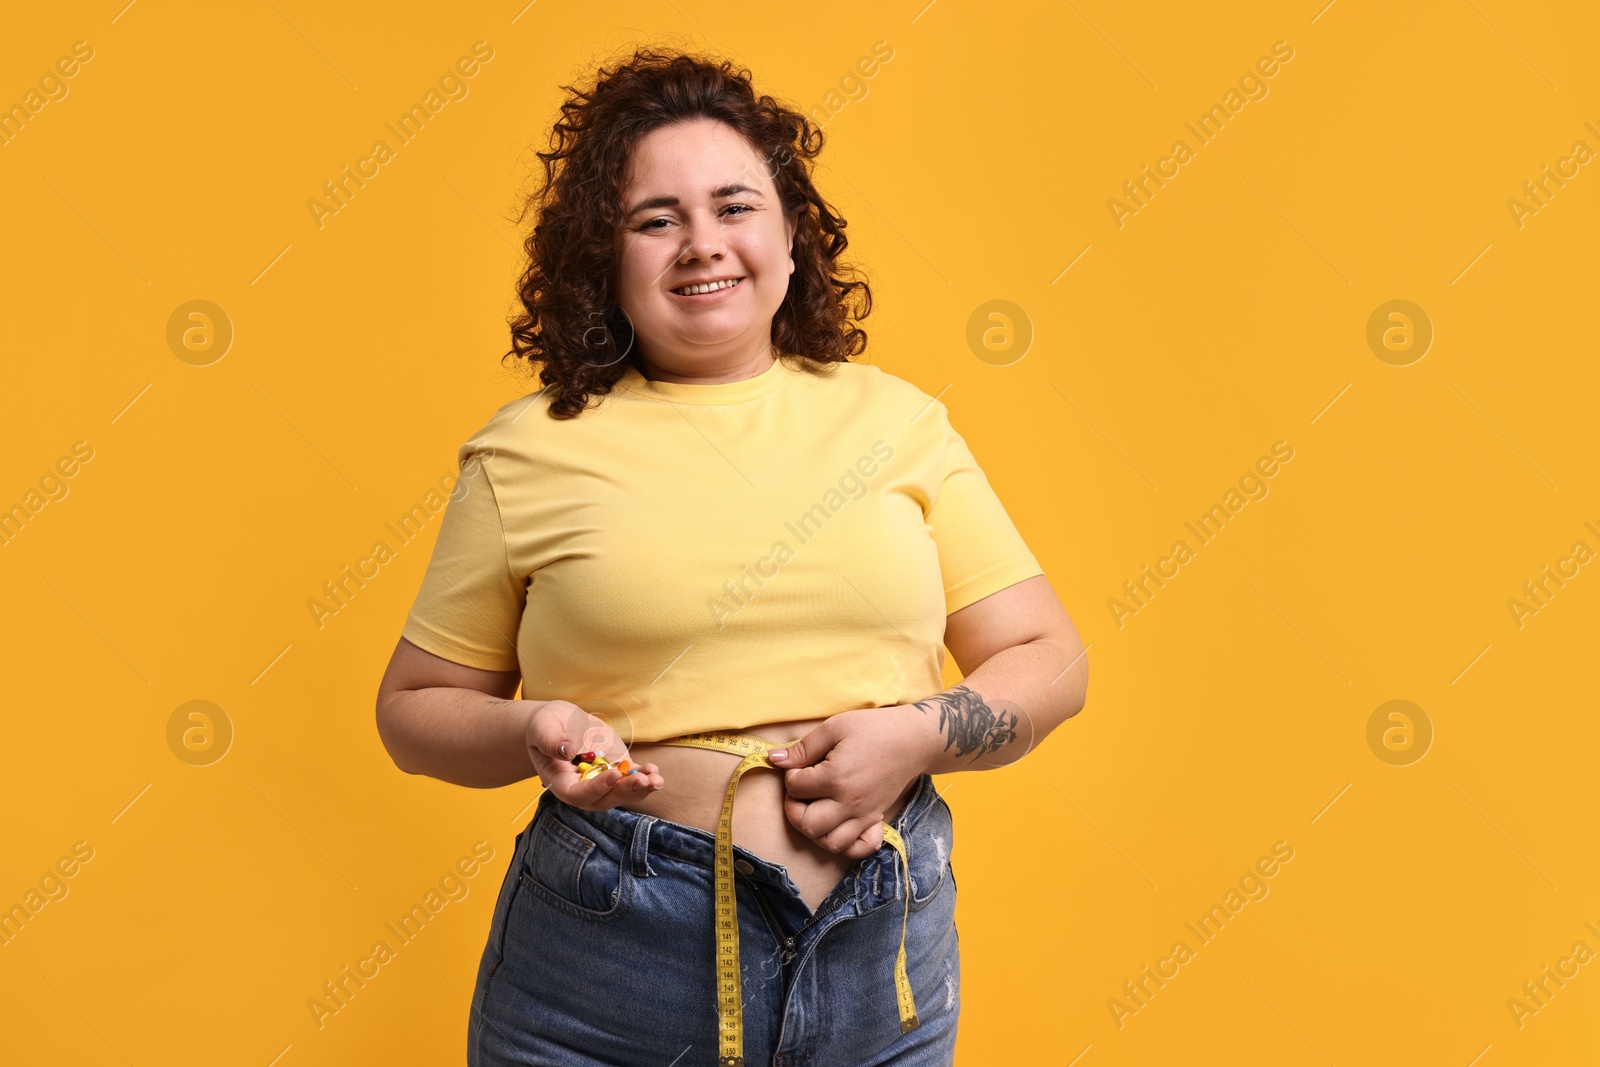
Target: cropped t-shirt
<point x="694" y="557"/>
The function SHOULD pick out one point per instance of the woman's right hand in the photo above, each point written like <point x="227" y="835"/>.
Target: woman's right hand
<point x="551" y="750"/>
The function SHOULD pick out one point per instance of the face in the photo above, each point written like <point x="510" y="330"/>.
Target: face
<point x="701" y="206"/>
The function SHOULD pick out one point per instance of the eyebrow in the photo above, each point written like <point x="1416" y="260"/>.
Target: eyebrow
<point x="731" y="189"/>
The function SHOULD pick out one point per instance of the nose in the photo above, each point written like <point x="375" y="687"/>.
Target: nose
<point x="704" y="239"/>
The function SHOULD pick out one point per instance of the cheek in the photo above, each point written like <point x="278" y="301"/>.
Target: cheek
<point x="769" y="256"/>
<point x="637" y="268"/>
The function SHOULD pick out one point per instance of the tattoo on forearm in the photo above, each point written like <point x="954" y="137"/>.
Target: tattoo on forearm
<point x="970" y="724"/>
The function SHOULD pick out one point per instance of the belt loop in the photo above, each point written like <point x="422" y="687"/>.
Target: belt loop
<point x="640" y="849"/>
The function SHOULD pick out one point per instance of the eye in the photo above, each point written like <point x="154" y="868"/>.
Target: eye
<point x="651" y="227"/>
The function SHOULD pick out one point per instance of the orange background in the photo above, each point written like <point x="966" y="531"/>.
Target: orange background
<point x="1230" y="312"/>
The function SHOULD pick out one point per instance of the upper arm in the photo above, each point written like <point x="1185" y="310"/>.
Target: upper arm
<point x="411" y="667"/>
<point x="981" y="551"/>
<point x="469" y="606"/>
<point x="996" y="593"/>
<point x="461" y="632"/>
<point x="1026" y="611"/>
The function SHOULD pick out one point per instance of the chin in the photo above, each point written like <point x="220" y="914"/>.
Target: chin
<point x="709" y="339"/>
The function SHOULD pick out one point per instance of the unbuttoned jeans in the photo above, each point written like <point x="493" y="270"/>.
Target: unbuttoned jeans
<point x="602" y="949"/>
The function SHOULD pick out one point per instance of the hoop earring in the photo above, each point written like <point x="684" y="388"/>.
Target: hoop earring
<point x="604" y="332"/>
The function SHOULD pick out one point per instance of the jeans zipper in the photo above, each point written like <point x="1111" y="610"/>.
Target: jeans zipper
<point x="772" y="917"/>
<point x="820" y="915"/>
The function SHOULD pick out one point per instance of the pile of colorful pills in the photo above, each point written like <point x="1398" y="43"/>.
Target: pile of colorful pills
<point x="593" y="765"/>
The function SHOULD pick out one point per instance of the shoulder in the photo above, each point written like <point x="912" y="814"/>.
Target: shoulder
<point x="526" y="422"/>
<point x="520" y="429"/>
<point x="871" y="384"/>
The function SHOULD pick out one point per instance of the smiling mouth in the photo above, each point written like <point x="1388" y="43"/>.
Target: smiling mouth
<point x="712" y="287"/>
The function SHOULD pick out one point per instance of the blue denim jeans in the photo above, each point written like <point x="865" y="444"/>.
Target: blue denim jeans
<point x="602" y="950"/>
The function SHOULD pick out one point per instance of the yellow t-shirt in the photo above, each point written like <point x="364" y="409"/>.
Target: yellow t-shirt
<point x="711" y="557"/>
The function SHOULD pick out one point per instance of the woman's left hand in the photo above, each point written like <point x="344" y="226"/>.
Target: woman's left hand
<point x="841" y="777"/>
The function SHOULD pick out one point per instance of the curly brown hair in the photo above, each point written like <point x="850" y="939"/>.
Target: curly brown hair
<point x="566" y="288"/>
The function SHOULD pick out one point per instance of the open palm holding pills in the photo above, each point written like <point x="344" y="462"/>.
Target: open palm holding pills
<point x="601" y="748"/>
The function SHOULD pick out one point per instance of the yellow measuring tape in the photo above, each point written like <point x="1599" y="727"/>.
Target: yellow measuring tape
<point x="730" y="1001"/>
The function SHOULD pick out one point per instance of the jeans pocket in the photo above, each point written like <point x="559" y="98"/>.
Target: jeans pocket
<point x="577" y="868"/>
<point x="928" y="853"/>
<point x="495" y="949"/>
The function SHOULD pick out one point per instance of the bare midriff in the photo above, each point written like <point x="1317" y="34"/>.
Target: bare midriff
<point x="696" y="780"/>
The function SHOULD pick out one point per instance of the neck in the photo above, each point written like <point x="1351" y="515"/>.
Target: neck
<point x="707" y="375"/>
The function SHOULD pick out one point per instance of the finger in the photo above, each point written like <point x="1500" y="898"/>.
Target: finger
<point x="795" y="811"/>
<point x="591" y="794"/>
<point x="620" y="792"/>
<point x="808" y="749"/>
<point x="809" y="783"/>
<point x="558" y="775"/>
<point x="870" y="841"/>
<point x="552" y="772"/>
<point x="549" y="734"/>
<point x="847" y="835"/>
<point x="646" y="781"/>
<point x="819" y="818"/>
<point x="624" y="787"/>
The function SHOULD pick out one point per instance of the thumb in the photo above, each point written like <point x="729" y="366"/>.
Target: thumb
<point x="548" y="733"/>
<point x="806" y="751"/>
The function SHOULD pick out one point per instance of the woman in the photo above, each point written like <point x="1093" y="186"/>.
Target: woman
<point x="748" y="534"/>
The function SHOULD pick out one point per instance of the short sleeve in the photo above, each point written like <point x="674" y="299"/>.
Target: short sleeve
<point x="980" y="550"/>
<point x="469" y="608"/>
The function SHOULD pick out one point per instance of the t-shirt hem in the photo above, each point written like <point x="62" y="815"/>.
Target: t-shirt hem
<point x="990" y="582"/>
<point x="450" y="648"/>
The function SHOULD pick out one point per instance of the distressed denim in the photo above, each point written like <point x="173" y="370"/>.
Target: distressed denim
<point x="602" y="951"/>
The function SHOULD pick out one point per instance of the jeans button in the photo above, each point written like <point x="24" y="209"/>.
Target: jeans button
<point x="745" y="866"/>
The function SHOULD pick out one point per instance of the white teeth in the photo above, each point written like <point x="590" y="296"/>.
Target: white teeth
<point x="691" y="290"/>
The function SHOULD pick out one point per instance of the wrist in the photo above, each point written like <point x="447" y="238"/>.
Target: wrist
<point x="920" y="737"/>
<point x="530" y="711"/>
<point x="526" y="709"/>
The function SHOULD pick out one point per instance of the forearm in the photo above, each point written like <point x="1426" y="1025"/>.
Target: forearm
<point x="458" y="735"/>
<point x="1002" y="710"/>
